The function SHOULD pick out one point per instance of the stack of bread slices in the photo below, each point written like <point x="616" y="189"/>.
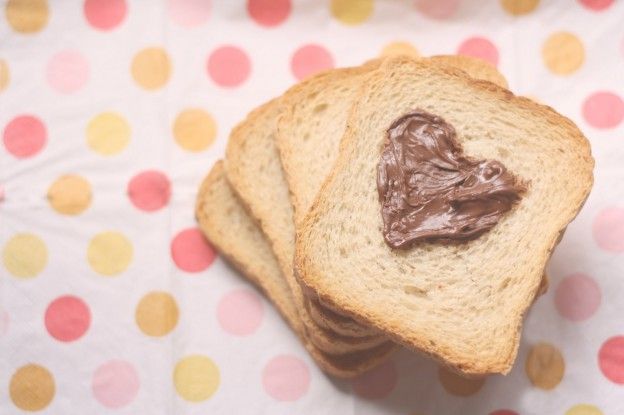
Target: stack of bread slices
<point x="294" y="206"/>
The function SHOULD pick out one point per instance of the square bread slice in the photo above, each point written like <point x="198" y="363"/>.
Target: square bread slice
<point x="233" y="232"/>
<point x="463" y="303"/>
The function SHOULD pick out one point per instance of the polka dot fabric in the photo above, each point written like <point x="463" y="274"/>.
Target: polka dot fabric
<point x="111" y="300"/>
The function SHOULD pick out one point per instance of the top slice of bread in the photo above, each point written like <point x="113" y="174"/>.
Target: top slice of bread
<point x="463" y="303"/>
<point x="228" y="226"/>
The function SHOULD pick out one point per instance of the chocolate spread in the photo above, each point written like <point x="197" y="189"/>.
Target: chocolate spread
<point x="430" y="191"/>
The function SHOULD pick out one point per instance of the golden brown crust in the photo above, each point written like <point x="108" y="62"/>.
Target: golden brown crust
<point x="343" y="366"/>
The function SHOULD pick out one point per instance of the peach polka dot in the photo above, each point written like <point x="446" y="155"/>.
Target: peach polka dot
<point x="603" y="109"/>
<point x="608" y="229"/>
<point x="437" y="9"/>
<point x="70" y="194"/>
<point x="32" y="387"/>
<point x="479" y="47"/>
<point x="228" y="66"/>
<point x="191" y="252"/>
<point x="115" y="383"/>
<point x="194" y="129"/>
<point x="149" y="190"/>
<point x="67" y="318"/>
<point x="378" y="382"/>
<point x="519" y="7"/>
<point x="577" y="297"/>
<point x="105" y="14"/>
<point x="157" y="314"/>
<point x="503" y="412"/>
<point x="27" y="16"/>
<point x="563" y="53"/>
<point x="25" y="255"/>
<point x="4" y="75"/>
<point x="151" y="68"/>
<point x="352" y="12"/>
<point x="286" y="378"/>
<point x="583" y="409"/>
<point x="196" y="378"/>
<point x="310" y="59"/>
<point x="24" y="136"/>
<point x="611" y="359"/>
<point x="5" y="320"/>
<point x="269" y="13"/>
<point x="399" y="48"/>
<point x="67" y="71"/>
<point x="545" y="366"/>
<point x="596" y="5"/>
<point x="189" y="13"/>
<point x="458" y="385"/>
<point x="240" y="312"/>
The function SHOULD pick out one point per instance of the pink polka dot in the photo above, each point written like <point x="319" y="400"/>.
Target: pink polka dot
<point x="377" y="383"/>
<point x="503" y="412"/>
<point x="596" y="5"/>
<point x="479" y="47"/>
<point x="105" y="14"/>
<point x="24" y="136"/>
<point x="577" y="297"/>
<point x="268" y="12"/>
<point x="4" y="322"/>
<point x="115" y="383"/>
<point x="189" y="13"/>
<point x="67" y="318"/>
<point x="191" y="252"/>
<point x="149" y="190"/>
<point x="608" y="229"/>
<point x="611" y="359"/>
<point x="286" y="378"/>
<point x="310" y="59"/>
<point x="240" y="312"/>
<point x="228" y="66"/>
<point x="67" y="71"/>
<point x="437" y="9"/>
<point x="603" y="109"/>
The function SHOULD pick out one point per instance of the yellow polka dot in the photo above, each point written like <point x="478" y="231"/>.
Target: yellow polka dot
<point x="25" y="255"/>
<point x="108" y="133"/>
<point x="4" y="75"/>
<point x="519" y="7"/>
<point x="151" y="68"/>
<point x="352" y="12"/>
<point x="27" y="16"/>
<point x="157" y="314"/>
<point x="583" y="409"/>
<point x="563" y="53"/>
<point x="459" y="385"/>
<point x="196" y="378"/>
<point x="32" y="387"/>
<point x="70" y="195"/>
<point x="399" y="48"/>
<point x="109" y="253"/>
<point x="545" y="366"/>
<point x="194" y="129"/>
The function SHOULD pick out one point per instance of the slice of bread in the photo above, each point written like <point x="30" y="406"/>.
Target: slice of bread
<point x="462" y="304"/>
<point x="254" y="170"/>
<point x="233" y="232"/>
